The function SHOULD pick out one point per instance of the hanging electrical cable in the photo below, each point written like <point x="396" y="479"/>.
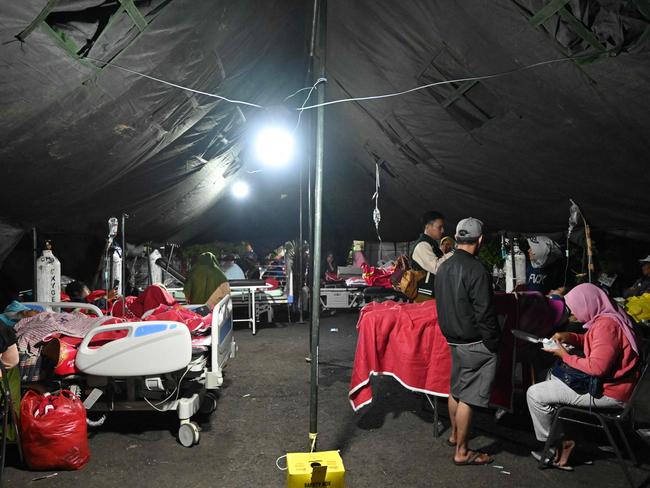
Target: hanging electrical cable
<point x="159" y="80"/>
<point x="343" y="100"/>
<point x="313" y="87"/>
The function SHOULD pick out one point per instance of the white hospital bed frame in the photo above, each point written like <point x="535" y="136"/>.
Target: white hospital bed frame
<point x="342" y="298"/>
<point x="57" y="306"/>
<point x="152" y="353"/>
<point x="248" y="297"/>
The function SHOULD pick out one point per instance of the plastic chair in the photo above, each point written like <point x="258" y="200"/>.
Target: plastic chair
<point x="603" y="419"/>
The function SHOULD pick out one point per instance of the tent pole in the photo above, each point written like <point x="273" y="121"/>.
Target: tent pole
<point x="123" y="284"/>
<point x="320" y="9"/>
<point x="35" y="248"/>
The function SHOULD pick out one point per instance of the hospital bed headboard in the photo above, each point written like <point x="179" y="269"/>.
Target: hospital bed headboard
<point x="57" y="306"/>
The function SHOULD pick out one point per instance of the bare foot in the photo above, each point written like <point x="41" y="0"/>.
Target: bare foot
<point x="562" y="458"/>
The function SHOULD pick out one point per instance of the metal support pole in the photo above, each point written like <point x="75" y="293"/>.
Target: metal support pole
<point x="590" y="257"/>
<point x="35" y="247"/>
<point x="300" y="250"/>
<point x="436" y="420"/>
<point x="514" y="267"/>
<point x="320" y="11"/>
<point x="149" y="270"/>
<point x="123" y="284"/>
<point x="307" y="134"/>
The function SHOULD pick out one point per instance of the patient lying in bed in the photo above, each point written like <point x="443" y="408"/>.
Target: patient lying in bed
<point x="57" y="335"/>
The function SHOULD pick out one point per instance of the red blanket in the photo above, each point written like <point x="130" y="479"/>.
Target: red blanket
<point x="404" y="340"/>
<point x="152" y="296"/>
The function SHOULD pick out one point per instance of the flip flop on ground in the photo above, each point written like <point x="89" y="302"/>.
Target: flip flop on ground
<point x="475" y="458"/>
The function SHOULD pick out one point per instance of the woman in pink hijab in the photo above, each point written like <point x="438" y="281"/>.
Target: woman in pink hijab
<point x="609" y="352"/>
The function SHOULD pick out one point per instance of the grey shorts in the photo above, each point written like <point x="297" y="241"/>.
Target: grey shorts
<point x="473" y="368"/>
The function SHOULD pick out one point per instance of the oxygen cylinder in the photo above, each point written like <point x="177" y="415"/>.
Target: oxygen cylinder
<point x="48" y="277"/>
<point x="519" y="268"/>
<point x="156" y="271"/>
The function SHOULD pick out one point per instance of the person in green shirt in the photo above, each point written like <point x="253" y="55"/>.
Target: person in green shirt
<point x="206" y="283"/>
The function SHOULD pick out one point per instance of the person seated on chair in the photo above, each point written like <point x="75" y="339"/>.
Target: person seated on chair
<point x="206" y="283"/>
<point x="609" y="353"/>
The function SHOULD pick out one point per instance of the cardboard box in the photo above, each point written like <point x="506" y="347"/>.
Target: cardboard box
<point x="315" y="470"/>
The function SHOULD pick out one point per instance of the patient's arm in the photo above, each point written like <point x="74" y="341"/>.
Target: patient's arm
<point x="222" y="290"/>
<point x="9" y="358"/>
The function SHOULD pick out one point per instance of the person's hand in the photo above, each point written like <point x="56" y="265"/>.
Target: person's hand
<point x="558" y="291"/>
<point x="558" y="351"/>
<point x="28" y="313"/>
<point x="112" y="293"/>
<point x="561" y="337"/>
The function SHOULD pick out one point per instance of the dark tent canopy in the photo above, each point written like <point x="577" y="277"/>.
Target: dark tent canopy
<point x="82" y="140"/>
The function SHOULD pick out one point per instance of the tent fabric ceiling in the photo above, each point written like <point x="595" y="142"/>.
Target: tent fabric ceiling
<point x="81" y="142"/>
<point x="514" y="150"/>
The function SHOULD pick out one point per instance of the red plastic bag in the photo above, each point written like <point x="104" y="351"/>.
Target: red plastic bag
<point x="53" y="431"/>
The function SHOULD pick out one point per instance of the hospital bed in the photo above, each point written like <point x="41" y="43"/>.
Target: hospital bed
<point x="342" y="297"/>
<point x="156" y="365"/>
<point x="352" y="292"/>
<point x="251" y="294"/>
<point x="64" y="306"/>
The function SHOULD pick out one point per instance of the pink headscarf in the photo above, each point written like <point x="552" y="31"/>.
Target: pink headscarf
<point x="587" y="302"/>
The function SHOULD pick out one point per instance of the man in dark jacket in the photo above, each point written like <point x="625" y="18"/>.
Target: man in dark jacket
<point x="467" y="318"/>
<point x="426" y="255"/>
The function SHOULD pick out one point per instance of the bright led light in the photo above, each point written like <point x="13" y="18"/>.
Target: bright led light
<point x="240" y="189"/>
<point x="274" y="146"/>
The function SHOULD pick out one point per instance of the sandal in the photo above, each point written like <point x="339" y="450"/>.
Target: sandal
<point x="562" y="458"/>
<point x="473" y="459"/>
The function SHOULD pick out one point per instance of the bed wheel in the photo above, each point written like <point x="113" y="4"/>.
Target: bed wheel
<point x="95" y="423"/>
<point x="209" y="403"/>
<point x="188" y="434"/>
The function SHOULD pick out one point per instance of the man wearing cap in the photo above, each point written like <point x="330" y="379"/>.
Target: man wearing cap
<point x="467" y="319"/>
<point x="642" y="285"/>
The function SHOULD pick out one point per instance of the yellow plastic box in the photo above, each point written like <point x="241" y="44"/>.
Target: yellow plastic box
<point x="315" y="470"/>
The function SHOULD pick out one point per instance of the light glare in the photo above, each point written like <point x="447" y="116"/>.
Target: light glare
<point x="274" y="146"/>
<point x="240" y="189"/>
